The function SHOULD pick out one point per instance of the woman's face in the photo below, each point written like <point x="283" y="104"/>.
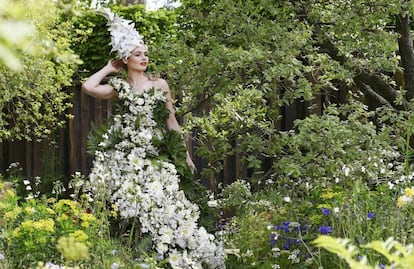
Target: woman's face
<point x="138" y="60"/>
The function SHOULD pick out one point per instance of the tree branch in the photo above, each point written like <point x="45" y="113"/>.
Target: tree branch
<point x="406" y="51"/>
<point x="374" y="81"/>
<point x="367" y="89"/>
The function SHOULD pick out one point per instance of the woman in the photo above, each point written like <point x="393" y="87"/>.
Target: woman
<point x="135" y="165"/>
<point x="136" y="65"/>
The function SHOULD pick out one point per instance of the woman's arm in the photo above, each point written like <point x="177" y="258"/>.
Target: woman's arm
<point x="172" y="123"/>
<point x="93" y="87"/>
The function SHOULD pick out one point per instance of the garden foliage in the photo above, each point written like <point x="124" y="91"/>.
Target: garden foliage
<point x="346" y="183"/>
<point x="234" y="67"/>
<point x="33" y="99"/>
<point x="238" y="65"/>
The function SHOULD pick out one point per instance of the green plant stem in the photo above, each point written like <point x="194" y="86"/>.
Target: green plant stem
<point x="131" y="234"/>
<point x="407" y="144"/>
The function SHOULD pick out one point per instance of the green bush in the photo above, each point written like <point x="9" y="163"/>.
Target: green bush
<point x="339" y="174"/>
<point x="344" y="145"/>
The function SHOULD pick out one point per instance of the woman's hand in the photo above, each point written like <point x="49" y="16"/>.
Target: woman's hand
<point x="190" y="163"/>
<point x="93" y="86"/>
<point x="114" y="66"/>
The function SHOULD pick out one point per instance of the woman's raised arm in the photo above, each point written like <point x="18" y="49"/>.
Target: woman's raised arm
<point x="93" y="87"/>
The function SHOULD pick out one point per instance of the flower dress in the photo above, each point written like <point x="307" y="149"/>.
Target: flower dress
<point x="131" y="170"/>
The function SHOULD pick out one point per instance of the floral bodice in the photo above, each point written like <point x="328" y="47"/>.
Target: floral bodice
<point x="139" y="120"/>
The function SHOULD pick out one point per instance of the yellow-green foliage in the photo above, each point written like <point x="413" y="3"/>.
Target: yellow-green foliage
<point x="397" y="255"/>
<point x="36" y="228"/>
<point x="14" y="34"/>
<point x="71" y="249"/>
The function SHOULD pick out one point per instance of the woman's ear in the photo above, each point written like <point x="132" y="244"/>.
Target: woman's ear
<point x="124" y="60"/>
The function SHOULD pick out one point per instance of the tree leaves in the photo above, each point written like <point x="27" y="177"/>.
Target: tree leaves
<point x="33" y="100"/>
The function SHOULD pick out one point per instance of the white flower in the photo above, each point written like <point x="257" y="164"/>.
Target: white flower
<point x="346" y="170"/>
<point x="213" y="203"/>
<point x="294" y="256"/>
<point x="50" y="265"/>
<point x="114" y="265"/>
<point x="287" y="199"/>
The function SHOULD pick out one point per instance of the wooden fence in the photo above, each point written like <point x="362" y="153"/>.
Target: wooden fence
<point x="60" y="156"/>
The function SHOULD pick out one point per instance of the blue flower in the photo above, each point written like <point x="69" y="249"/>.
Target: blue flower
<point x="326" y="211"/>
<point x="325" y="229"/>
<point x="284" y="227"/>
<point x="273" y="240"/>
<point x="371" y="215"/>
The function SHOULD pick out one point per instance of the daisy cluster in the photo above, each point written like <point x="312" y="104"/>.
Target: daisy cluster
<point x="144" y="186"/>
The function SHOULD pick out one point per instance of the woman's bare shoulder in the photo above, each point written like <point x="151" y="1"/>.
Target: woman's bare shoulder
<point x="162" y="84"/>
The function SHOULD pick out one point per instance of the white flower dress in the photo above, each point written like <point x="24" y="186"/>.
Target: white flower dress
<point x="129" y="168"/>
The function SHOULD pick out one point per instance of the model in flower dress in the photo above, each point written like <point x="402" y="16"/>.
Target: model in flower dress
<point x="132" y="167"/>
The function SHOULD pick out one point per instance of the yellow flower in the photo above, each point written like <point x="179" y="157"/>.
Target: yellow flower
<point x="87" y="219"/>
<point x="401" y="201"/>
<point x="114" y="211"/>
<point x="63" y="204"/>
<point x="62" y="218"/>
<point x="282" y="210"/>
<point x="409" y="192"/>
<point x="29" y="210"/>
<point x="11" y="215"/>
<point x="41" y="225"/>
<point x="50" y="211"/>
<point x="16" y="232"/>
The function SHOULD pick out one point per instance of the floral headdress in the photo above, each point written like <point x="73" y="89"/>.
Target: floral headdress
<point x="124" y="36"/>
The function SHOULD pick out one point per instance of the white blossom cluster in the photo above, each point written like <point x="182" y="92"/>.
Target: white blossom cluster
<point x="142" y="186"/>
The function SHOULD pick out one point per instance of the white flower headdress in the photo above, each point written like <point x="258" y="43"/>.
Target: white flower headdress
<point x="124" y="36"/>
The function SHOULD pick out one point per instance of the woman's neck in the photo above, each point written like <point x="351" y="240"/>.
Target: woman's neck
<point x="137" y="77"/>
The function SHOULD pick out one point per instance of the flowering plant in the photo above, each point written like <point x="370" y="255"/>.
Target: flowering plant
<point x="407" y="198"/>
<point x="129" y="171"/>
<point x="33" y="228"/>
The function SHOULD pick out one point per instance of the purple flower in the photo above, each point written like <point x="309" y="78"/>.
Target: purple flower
<point x="325" y="229"/>
<point x="326" y="211"/>
<point x="273" y="240"/>
<point x="284" y="227"/>
<point x="371" y="215"/>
